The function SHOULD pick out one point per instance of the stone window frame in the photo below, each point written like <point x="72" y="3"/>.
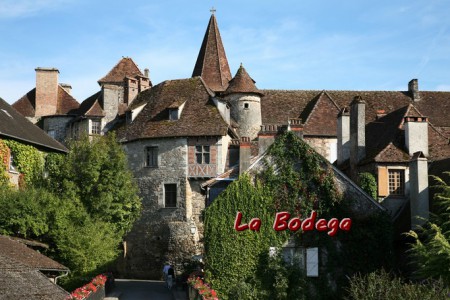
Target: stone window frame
<point x="170" y="202"/>
<point x="155" y="154"/>
<point x="203" y="154"/>
<point x="246" y="105"/>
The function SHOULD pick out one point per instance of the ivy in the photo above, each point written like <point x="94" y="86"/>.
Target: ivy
<point x="4" y="179"/>
<point x="298" y="180"/>
<point x="368" y="183"/>
<point x="28" y="160"/>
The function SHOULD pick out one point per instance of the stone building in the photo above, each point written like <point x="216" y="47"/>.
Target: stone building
<point x="182" y="135"/>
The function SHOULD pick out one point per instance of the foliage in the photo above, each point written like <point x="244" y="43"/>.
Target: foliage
<point x="368" y="183"/>
<point x="294" y="179"/>
<point x="431" y="247"/>
<point x="96" y="172"/>
<point x="28" y="160"/>
<point x="4" y="179"/>
<point x="381" y="285"/>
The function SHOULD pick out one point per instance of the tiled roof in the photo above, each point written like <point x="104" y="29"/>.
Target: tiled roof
<point x="27" y="256"/>
<point x="199" y="117"/>
<point x="242" y="83"/>
<point x="126" y="67"/>
<point x="20" y="282"/>
<point x="212" y="64"/>
<point x="66" y="104"/>
<point x="14" y="125"/>
<point x="322" y="119"/>
<point x="91" y="106"/>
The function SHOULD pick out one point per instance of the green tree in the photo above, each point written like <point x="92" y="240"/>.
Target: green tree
<point x="96" y="172"/>
<point x="431" y="247"/>
<point x="368" y="183"/>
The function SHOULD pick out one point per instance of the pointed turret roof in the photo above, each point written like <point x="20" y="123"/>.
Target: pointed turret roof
<point x="242" y="83"/>
<point x="212" y="64"/>
<point x="126" y="67"/>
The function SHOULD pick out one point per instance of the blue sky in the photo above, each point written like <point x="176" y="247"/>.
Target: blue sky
<point x="287" y="44"/>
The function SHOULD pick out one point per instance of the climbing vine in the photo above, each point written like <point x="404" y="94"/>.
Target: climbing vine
<point x="28" y="160"/>
<point x="4" y="179"/>
<point x="295" y="179"/>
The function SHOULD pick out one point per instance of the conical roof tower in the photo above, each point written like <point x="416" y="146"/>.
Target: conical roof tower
<point x="212" y="64"/>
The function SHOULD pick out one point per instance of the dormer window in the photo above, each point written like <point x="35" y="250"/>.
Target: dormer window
<point x="173" y="114"/>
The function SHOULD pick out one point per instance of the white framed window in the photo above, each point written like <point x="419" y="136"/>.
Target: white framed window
<point x="396" y="182"/>
<point x="12" y="165"/>
<point x="202" y="154"/>
<point x="96" y="127"/>
<point x="305" y="258"/>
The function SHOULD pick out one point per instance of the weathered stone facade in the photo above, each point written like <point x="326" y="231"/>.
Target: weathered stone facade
<point x="56" y="127"/>
<point x="327" y="147"/>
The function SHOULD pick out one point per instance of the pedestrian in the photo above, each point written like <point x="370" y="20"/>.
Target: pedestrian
<point x="165" y="269"/>
<point x="170" y="277"/>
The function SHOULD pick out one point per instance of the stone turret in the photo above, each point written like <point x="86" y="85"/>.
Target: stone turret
<point x="245" y="100"/>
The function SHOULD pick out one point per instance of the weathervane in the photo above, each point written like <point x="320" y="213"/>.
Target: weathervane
<point x="212" y="10"/>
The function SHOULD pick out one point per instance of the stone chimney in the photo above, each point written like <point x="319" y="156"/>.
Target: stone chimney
<point x="416" y="134"/>
<point x="418" y="189"/>
<point x="296" y="126"/>
<point x="266" y="137"/>
<point x="413" y="89"/>
<point x="46" y="91"/>
<point x="343" y="136"/>
<point x="144" y="83"/>
<point x="357" y="131"/>
<point x="244" y="154"/>
<point x="146" y="72"/>
<point x="131" y="89"/>
<point x="67" y="87"/>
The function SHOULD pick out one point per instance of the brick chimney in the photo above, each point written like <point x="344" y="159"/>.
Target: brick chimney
<point x="46" y="91"/>
<point x="418" y="189"/>
<point x="416" y="134"/>
<point x="357" y="131"/>
<point x="131" y="89"/>
<point x="343" y="136"/>
<point x="244" y="154"/>
<point x="413" y="89"/>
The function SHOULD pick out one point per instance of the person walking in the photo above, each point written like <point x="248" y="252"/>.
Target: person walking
<point x="170" y="277"/>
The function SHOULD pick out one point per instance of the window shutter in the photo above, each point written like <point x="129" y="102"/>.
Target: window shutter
<point x="383" y="189"/>
<point x="312" y="262"/>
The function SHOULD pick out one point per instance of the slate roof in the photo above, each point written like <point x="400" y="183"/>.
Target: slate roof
<point x="242" y="83"/>
<point x="212" y="64"/>
<point x="199" y="117"/>
<point x="66" y="104"/>
<point x="20" y="282"/>
<point x="27" y="256"/>
<point x="16" y="126"/>
<point x="126" y="67"/>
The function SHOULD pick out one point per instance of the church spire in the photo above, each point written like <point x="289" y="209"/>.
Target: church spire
<point x="212" y="64"/>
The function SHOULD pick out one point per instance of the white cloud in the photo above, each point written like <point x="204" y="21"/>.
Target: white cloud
<point x="23" y="8"/>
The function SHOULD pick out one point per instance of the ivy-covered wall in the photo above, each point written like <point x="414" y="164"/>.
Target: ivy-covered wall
<point x="4" y="152"/>
<point x="28" y="160"/>
<point x="297" y="180"/>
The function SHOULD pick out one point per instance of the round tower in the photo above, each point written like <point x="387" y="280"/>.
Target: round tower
<point x="245" y="100"/>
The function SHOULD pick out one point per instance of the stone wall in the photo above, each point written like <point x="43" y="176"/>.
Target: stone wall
<point x="327" y="147"/>
<point x="161" y="234"/>
<point x="57" y="124"/>
<point x="113" y="95"/>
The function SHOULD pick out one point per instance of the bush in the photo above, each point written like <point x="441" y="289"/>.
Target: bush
<point x="381" y="285"/>
<point x="368" y="183"/>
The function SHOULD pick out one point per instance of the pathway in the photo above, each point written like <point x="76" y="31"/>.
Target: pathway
<point x="146" y="290"/>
